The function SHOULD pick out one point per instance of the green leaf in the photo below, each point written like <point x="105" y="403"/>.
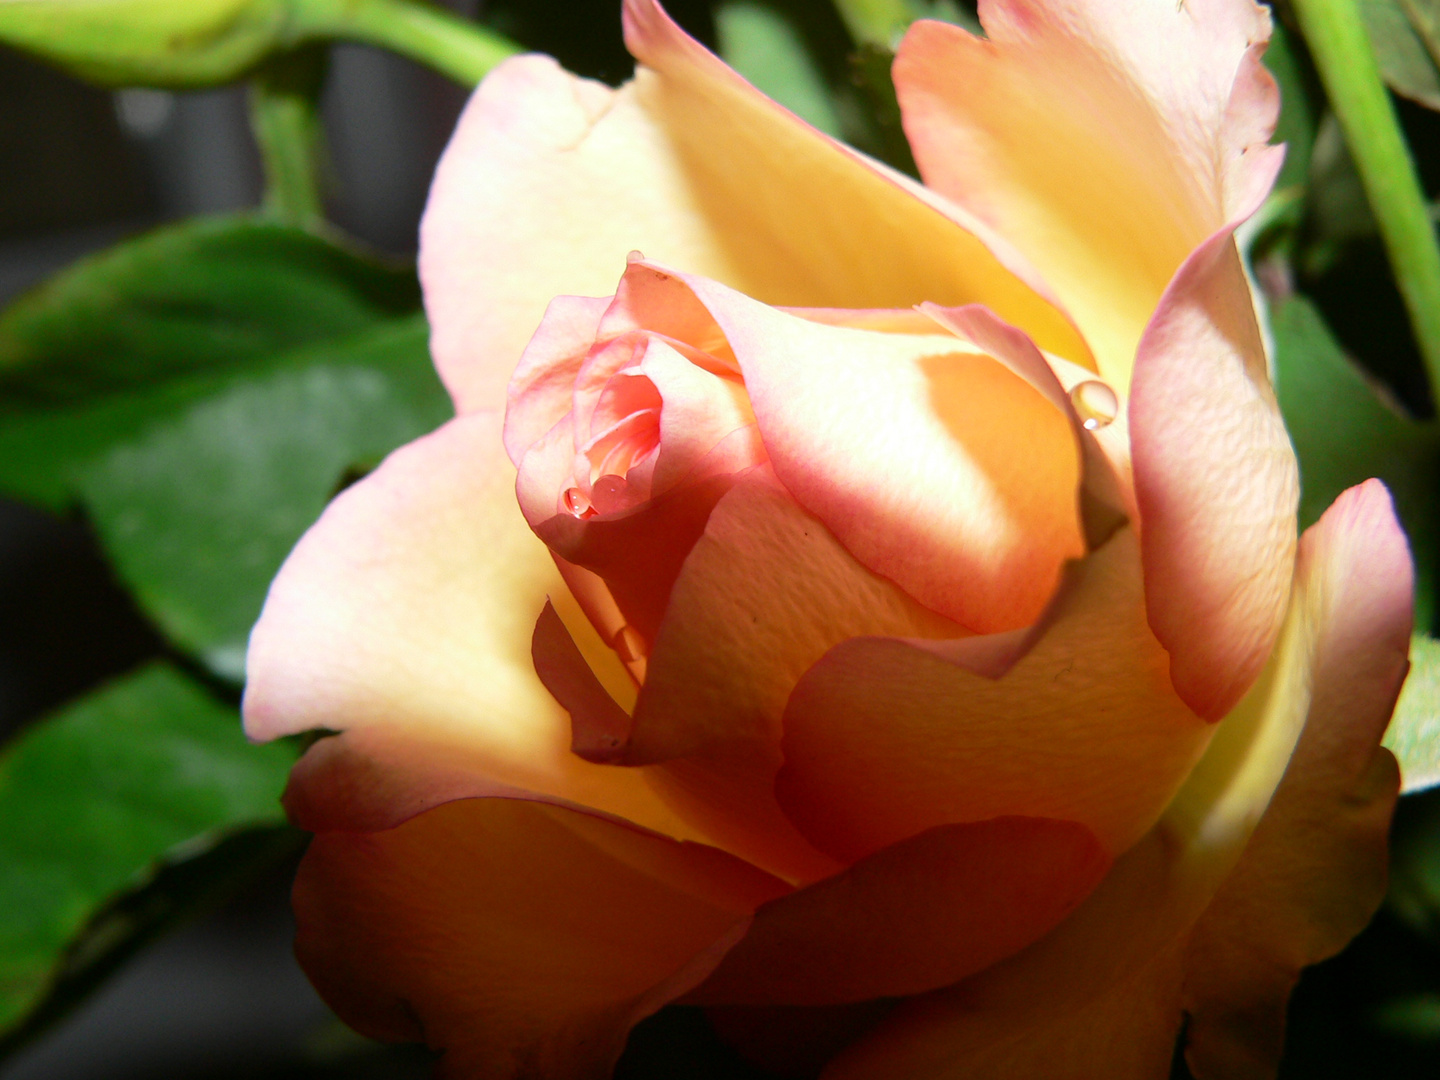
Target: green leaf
<point x="765" y="47"/>
<point x="187" y="883"/>
<point x="1344" y="433"/>
<point x="1298" y="116"/>
<point x="1414" y="732"/>
<point x="199" y="511"/>
<point x="92" y="798"/>
<point x="200" y="296"/>
<point x="1407" y="64"/>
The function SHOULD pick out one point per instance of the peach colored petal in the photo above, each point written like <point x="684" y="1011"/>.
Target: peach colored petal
<point x="639" y="552"/>
<point x="550" y="180"/>
<point x="522" y="940"/>
<point x="1105" y="993"/>
<point x="765" y="592"/>
<point x="1216" y="482"/>
<point x="1075" y="132"/>
<point x="915" y="916"/>
<point x="1314" y="872"/>
<point x="599" y="727"/>
<point x="884" y="738"/>
<point x="541" y="390"/>
<point x="932" y="463"/>
<point x="403" y="619"/>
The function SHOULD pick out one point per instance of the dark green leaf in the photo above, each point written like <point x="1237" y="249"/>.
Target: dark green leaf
<point x="201" y="296"/>
<point x="183" y="886"/>
<point x="199" y="511"/>
<point x="94" y="797"/>
<point x="765" y="47"/>
<point x="1298" y="116"/>
<point x="1407" y="64"/>
<point x="1345" y="433"/>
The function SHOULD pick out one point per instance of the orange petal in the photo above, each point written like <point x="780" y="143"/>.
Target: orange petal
<point x="522" y="940"/>
<point x="932" y="462"/>
<point x="550" y="180"/>
<point x="885" y="738"/>
<point x="403" y="619"/>
<point x="1105" y="141"/>
<point x="918" y="915"/>
<point x="765" y="592"/>
<point x="1314" y="872"/>
<point x="1105" y="993"/>
<point x="1215" y="480"/>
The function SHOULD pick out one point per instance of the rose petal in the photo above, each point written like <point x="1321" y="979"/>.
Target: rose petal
<point x="542" y="386"/>
<point x="550" y="180"/>
<point x="932" y="463"/>
<point x="1215" y="480"/>
<point x="1104" y="994"/>
<point x="918" y="915"/>
<point x="404" y="619"/>
<point x="1071" y="130"/>
<point x="764" y="593"/>
<point x="520" y="939"/>
<point x="885" y="738"/>
<point x="1314" y="872"/>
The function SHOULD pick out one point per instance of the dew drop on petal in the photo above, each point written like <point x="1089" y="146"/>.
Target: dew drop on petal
<point x="576" y="503"/>
<point x="1095" y="403"/>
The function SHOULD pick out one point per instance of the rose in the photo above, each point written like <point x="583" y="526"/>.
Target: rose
<point x="876" y="663"/>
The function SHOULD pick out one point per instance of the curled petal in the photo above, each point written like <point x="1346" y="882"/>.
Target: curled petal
<point x="765" y="592"/>
<point x="1105" y="993"/>
<point x="1314" y="872"/>
<point x="1216" y="482"/>
<point x="1073" y="133"/>
<point x="934" y="464"/>
<point x="550" y="180"/>
<point x="403" y="620"/>
<point x="521" y="939"/>
<point x="918" y="915"/>
<point x="886" y="737"/>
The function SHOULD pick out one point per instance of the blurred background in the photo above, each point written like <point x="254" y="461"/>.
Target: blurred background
<point x="199" y="980"/>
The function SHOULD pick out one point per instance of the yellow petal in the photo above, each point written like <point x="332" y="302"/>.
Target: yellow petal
<point x="1104" y="994"/>
<point x="551" y="180"/>
<point x="523" y="940"/>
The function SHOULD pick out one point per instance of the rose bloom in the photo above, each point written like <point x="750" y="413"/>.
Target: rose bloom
<point x="900" y="643"/>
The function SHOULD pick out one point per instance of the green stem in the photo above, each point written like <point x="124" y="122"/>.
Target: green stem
<point x="1348" y="68"/>
<point x="284" y="95"/>
<point x="429" y="35"/>
<point x="876" y="22"/>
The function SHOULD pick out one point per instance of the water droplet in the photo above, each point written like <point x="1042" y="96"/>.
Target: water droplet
<point x="576" y="503"/>
<point x="629" y="644"/>
<point x="635" y="256"/>
<point x="1095" y="403"/>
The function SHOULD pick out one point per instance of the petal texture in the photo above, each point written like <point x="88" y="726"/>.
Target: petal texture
<point x="1216" y="482"/>
<point x="404" y="620"/>
<point x="885" y="737"/>
<point x="1104" y="995"/>
<point x="1314" y="872"/>
<point x="918" y="915"/>
<point x="1121" y="172"/>
<point x="523" y="940"/>
<point x="932" y="462"/>
<point x="550" y="180"/>
<point x="1076" y="132"/>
